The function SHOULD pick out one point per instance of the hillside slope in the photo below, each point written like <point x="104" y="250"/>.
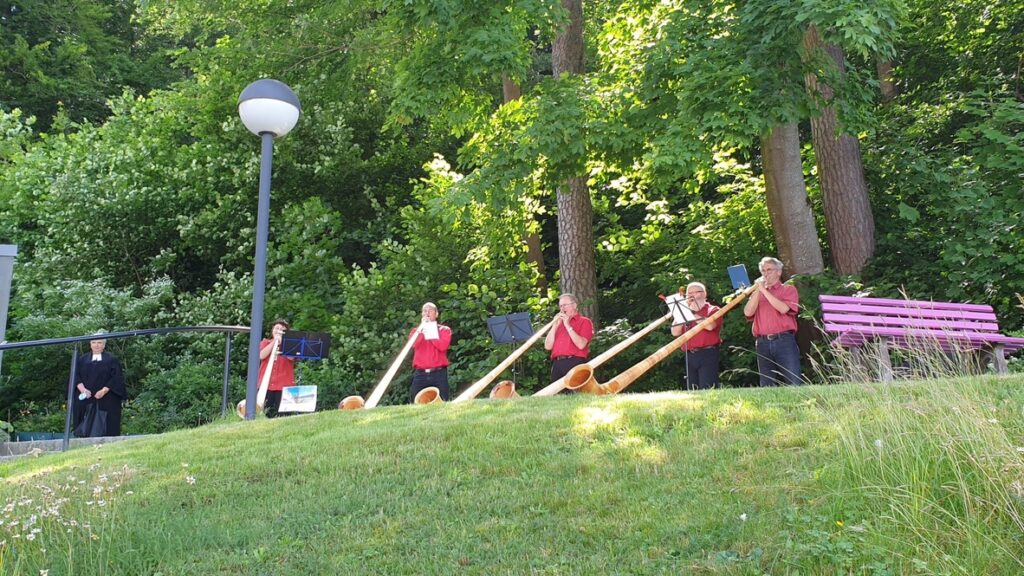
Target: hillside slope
<point x="913" y="478"/>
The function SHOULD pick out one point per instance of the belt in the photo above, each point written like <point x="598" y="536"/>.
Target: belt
<point x="771" y="337"/>
<point x="566" y="357"/>
<point x="699" y="348"/>
<point x="428" y="370"/>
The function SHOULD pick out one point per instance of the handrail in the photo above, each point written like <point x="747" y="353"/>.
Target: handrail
<point x="228" y="330"/>
<point x="5" y="345"/>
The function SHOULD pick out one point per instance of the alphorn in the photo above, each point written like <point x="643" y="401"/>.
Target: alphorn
<point x="557" y="386"/>
<point x="581" y="378"/>
<point x="261" y="394"/>
<point x="355" y="402"/>
<point x="479" y="385"/>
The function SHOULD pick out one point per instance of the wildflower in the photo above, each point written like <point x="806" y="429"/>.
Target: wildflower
<point x="30" y="536"/>
<point x="184" y="464"/>
<point x="839" y="523"/>
<point x="44" y="572"/>
<point x="743" y="517"/>
<point x="190" y="479"/>
<point x="878" y="443"/>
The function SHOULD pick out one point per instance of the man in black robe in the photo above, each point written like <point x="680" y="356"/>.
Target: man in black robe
<point x="100" y="383"/>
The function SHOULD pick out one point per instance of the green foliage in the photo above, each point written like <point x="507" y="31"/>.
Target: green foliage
<point x="66" y="57"/>
<point x="950" y="205"/>
<point x="185" y="396"/>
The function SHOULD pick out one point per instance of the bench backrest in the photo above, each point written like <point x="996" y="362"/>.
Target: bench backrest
<point x="910" y="322"/>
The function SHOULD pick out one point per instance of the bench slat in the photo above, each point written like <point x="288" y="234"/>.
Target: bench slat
<point x="923" y="304"/>
<point x="902" y="312"/>
<point x="867" y="320"/>
<point x="932" y="335"/>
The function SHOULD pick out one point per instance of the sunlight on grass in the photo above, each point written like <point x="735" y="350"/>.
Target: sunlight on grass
<point x="590" y="419"/>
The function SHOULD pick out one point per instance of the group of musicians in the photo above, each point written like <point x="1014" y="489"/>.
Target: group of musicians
<point x="771" y="309"/>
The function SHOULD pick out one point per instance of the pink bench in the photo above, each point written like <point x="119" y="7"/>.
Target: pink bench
<point x="911" y="324"/>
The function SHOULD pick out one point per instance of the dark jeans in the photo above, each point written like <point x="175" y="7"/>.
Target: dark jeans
<point x="561" y="366"/>
<point x="778" y="359"/>
<point x="272" y="403"/>
<point x="702" y="368"/>
<point x="437" y="377"/>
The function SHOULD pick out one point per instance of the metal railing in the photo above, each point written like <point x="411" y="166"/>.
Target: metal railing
<point x="229" y="331"/>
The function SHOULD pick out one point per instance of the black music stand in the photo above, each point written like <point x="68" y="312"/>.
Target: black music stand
<point x="305" y="345"/>
<point x="510" y="328"/>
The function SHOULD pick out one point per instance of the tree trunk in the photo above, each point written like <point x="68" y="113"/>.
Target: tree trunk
<point x="844" y="192"/>
<point x="576" y="244"/>
<point x="575" y="211"/>
<point x="788" y="206"/>
<point x="885" y="80"/>
<point x="534" y="255"/>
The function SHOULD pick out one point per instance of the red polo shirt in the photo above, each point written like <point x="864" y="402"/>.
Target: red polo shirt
<point x="431" y="353"/>
<point x="767" y="319"/>
<point x="283" y="373"/>
<point x="705" y="338"/>
<point x="564" y="345"/>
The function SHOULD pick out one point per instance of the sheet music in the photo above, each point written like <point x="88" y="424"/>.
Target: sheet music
<point x="429" y="330"/>
<point x="681" y="313"/>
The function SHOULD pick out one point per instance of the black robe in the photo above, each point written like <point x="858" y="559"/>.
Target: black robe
<point x="96" y="375"/>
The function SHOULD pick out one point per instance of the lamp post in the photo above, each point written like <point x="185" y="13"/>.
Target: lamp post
<point x="269" y="109"/>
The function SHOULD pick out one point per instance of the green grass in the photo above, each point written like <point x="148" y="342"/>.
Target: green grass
<point x="915" y="478"/>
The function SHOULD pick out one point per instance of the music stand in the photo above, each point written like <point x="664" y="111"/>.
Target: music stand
<point x="681" y="313"/>
<point x="303" y="346"/>
<point x="510" y="328"/>
<point x="738" y="276"/>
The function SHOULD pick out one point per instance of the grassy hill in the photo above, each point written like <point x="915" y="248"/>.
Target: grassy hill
<point x="921" y="478"/>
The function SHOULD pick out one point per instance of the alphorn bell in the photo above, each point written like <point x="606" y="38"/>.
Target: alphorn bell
<point x="261" y="394"/>
<point x="356" y="402"/>
<point x="482" y="383"/>
<point x="581" y="378"/>
<point x="557" y="386"/>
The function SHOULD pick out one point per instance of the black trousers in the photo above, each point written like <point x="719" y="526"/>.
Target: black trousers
<point x="437" y="377"/>
<point x="272" y="403"/>
<point x="561" y="366"/>
<point x="702" y="368"/>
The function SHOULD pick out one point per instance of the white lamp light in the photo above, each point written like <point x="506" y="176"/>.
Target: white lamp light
<point x="268" y="107"/>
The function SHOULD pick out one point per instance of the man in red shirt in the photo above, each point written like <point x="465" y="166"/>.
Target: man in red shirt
<point x="283" y="373"/>
<point x="569" y="342"/>
<point x="772" y="308"/>
<point x="430" y="353"/>
<point x="702" y="353"/>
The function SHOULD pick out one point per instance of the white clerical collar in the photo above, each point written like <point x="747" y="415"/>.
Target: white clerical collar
<point x="97" y="357"/>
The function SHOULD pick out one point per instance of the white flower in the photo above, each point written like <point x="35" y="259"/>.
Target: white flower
<point x="190" y="479"/>
<point x="30" y="536"/>
<point x="743" y="517"/>
<point x="878" y="443"/>
<point x="44" y="573"/>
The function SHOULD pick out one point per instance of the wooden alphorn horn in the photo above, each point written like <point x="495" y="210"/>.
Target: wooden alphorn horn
<point x="581" y="378"/>
<point x="261" y="394"/>
<point x="557" y="386"/>
<point x="355" y="402"/>
<point x="479" y="385"/>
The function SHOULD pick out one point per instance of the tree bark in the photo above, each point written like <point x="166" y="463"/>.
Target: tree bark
<point x="511" y="91"/>
<point x="575" y="211"/>
<point x="886" y="84"/>
<point x="848" y="219"/>
<point x="792" y="220"/>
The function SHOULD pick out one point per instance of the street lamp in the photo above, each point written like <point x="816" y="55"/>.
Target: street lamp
<point x="269" y="109"/>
